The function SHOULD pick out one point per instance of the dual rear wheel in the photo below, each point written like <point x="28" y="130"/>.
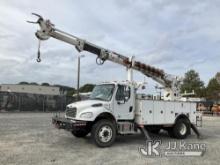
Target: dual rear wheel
<point x="181" y="129"/>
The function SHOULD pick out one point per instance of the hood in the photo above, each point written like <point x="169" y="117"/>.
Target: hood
<point x="80" y="105"/>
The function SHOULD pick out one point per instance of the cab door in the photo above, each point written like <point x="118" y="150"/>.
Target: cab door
<point x="124" y="103"/>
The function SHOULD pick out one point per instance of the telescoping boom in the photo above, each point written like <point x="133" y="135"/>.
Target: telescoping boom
<point x="170" y="83"/>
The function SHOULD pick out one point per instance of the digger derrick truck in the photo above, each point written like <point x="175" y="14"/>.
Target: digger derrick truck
<point x="115" y="108"/>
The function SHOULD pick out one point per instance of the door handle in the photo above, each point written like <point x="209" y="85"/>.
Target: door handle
<point x="130" y="109"/>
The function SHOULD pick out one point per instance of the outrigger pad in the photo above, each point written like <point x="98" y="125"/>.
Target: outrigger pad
<point x="199" y="136"/>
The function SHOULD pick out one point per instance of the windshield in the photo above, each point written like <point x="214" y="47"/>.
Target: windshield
<point x="103" y="92"/>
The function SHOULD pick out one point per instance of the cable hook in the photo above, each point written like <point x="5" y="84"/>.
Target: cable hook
<point x="39" y="19"/>
<point x="99" y="61"/>
<point x="38" y="52"/>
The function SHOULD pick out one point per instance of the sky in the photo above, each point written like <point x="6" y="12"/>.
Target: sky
<point x="173" y="35"/>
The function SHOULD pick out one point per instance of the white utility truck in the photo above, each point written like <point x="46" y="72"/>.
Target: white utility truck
<point x="115" y="108"/>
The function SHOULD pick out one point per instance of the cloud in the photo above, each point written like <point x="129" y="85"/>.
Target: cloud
<point x="172" y="35"/>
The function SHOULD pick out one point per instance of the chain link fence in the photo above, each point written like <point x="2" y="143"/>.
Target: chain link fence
<point x="10" y="101"/>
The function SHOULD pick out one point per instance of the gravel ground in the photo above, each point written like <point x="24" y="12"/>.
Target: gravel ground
<point x="29" y="138"/>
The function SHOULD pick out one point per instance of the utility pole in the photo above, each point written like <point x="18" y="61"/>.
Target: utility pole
<point x="78" y="76"/>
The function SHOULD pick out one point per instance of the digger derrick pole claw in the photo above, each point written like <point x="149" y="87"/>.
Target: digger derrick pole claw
<point x="47" y="30"/>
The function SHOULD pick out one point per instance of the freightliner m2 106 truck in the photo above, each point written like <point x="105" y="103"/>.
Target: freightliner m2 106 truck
<point x="115" y="108"/>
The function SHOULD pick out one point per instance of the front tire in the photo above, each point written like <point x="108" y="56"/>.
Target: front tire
<point x="104" y="133"/>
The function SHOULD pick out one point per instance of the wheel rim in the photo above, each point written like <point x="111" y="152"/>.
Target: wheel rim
<point x="183" y="129"/>
<point x="105" y="134"/>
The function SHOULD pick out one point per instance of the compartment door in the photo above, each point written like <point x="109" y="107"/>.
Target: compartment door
<point x="148" y="109"/>
<point x="169" y="112"/>
<point x="159" y="112"/>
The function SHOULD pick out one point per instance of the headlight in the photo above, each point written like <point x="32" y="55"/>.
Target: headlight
<point x="86" y="115"/>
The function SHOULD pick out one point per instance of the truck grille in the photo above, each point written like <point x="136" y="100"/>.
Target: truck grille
<point x="71" y="112"/>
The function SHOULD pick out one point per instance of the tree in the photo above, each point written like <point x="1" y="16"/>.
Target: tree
<point x="70" y="92"/>
<point x="192" y="82"/>
<point x="86" y="88"/>
<point x="213" y="89"/>
<point x="23" y="83"/>
<point x="45" y="84"/>
<point x="33" y="83"/>
<point x="217" y="76"/>
<point x="66" y="89"/>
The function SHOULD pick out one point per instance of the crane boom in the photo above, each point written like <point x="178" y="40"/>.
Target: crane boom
<point x="47" y="29"/>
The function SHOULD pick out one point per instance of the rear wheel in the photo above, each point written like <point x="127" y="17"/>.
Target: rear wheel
<point x="80" y="133"/>
<point x="104" y="133"/>
<point x="181" y="129"/>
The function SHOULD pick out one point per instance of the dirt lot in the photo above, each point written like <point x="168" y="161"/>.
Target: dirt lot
<point x="29" y="138"/>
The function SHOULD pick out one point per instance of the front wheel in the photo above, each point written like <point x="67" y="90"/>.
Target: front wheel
<point x="104" y="133"/>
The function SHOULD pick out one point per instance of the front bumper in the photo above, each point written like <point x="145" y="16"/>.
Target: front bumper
<point x="68" y="124"/>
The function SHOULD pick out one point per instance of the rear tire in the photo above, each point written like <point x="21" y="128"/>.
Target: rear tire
<point x="104" y="133"/>
<point x="80" y="133"/>
<point x="181" y="129"/>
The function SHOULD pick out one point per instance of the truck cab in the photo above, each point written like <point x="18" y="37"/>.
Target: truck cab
<point x="110" y="106"/>
<point x="116" y="99"/>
